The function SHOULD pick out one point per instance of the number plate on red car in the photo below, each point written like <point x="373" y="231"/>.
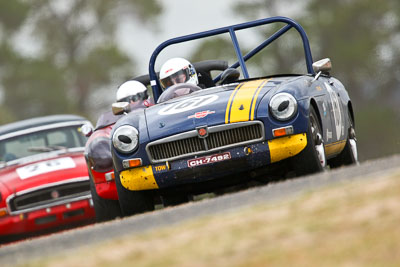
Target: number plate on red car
<point x="209" y="159"/>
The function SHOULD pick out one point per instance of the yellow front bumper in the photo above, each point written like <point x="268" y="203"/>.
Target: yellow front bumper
<point x="141" y="178"/>
<point x="286" y="147"/>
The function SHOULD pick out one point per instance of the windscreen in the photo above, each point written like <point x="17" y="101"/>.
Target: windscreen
<point x="41" y="141"/>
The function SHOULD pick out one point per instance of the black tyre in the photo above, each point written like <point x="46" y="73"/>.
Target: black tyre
<point x="349" y="154"/>
<point x="105" y="209"/>
<point x="133" y="202"/>
<point x="173" y="200"/>
<point x="312" y="159"/>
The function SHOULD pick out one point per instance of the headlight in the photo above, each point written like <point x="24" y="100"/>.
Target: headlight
<point x="283" y="106"/>
<point x="126" y="139"/>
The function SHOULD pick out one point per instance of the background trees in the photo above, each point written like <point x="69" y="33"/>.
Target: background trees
<point x="74" y="55"/>
<point x="362" y="38"/>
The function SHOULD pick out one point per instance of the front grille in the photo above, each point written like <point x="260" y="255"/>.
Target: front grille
<point x="234" y="136"/>
<point x="177" y="148"/>
<point x="50" y="195"/>
<point x="219" y="137"/>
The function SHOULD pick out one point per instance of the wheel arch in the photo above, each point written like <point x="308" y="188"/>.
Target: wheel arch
<point x="350" y="109"/>
<point x="314" y="104"/>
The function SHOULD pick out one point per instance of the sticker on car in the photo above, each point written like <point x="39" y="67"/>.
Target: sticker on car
<point x="201" y="114"/>
<point x="45" y="167"/>
<point x="337" y="116"/>
<point x="188" y="104"/>
<point x="208" y="159"/>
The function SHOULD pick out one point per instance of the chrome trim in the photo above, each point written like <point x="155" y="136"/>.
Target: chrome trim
<point x="43" y="127"/>
<point x="211" y="129"/>
<point x="62" y="201"/>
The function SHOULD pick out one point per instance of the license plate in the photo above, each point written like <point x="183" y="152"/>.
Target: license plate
<point x="209" y="159"/>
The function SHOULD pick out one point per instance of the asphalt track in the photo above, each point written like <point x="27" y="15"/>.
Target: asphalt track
<point x="68" y="241"/>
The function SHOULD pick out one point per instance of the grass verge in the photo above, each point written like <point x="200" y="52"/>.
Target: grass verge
<point x="352" y="224"/>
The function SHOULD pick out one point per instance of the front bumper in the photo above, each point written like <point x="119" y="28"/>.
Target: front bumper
<point x="48" y="218"/>
<point x="185" y="171"/>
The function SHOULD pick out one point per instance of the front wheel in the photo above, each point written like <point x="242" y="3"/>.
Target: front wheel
<point x="133" y="202"/>
<point x="105" y="209"/>
<point x="174" y="200"/>
<point x="312" y="159"/>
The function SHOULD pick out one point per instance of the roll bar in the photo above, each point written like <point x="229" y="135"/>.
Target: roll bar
<point x="155" y="83"/>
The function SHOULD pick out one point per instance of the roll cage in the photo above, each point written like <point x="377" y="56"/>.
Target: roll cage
<point x="155" y="83"/>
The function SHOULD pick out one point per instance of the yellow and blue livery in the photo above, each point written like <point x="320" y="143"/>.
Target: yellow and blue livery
<point x="234" y="132"/>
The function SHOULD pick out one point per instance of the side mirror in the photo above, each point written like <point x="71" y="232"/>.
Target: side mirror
<point x="323" y="65"/>
<point x="119" y="108"/>
<point x="229" y="75"/>
<point x="87" y="129"/>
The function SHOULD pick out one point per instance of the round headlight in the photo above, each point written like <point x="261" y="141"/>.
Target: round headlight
<point x="125" y="139"/>
<point x="283" y="106"/>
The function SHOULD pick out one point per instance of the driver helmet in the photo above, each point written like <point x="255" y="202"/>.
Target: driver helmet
<point x="177" y="70"/>
<point x="131" y="91"/>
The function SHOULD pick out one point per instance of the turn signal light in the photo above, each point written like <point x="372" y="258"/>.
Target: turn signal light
<point x="110" y="176"/>
<point x="131" y="163"/>
<point x="3" y="212"/>
<point x="288" y="130"/>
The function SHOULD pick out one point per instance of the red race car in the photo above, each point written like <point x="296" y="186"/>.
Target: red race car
<point x="100" y="165"/>
<point x="44" y="183"/>
<point x="101" y="172"/>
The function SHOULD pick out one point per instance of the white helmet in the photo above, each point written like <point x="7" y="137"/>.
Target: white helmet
<point x="131" y="91"/>
<point x="177" y="70"/>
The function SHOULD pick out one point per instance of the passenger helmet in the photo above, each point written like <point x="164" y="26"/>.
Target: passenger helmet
<point x="131" y="91"/>
<point x="177" y="70"/>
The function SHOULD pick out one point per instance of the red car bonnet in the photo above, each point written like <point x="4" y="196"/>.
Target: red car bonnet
<point x="52" y="170"/>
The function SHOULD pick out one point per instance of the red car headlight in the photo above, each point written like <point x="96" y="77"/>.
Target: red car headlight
<point x="99" y="154"/>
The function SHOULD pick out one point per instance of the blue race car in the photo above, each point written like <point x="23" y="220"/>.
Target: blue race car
<point x="233" y="132"/>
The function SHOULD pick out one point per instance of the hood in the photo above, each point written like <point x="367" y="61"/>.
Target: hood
<point x="20" y="177"/>
<point x="208" y="107"/>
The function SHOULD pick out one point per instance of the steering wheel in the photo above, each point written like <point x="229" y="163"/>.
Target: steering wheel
<point x="177" y="90"/>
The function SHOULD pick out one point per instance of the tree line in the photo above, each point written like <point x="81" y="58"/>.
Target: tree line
<point x="76" y="54"/>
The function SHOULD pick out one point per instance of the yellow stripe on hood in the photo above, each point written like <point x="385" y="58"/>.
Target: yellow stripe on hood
<point x="242" y="102"/>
